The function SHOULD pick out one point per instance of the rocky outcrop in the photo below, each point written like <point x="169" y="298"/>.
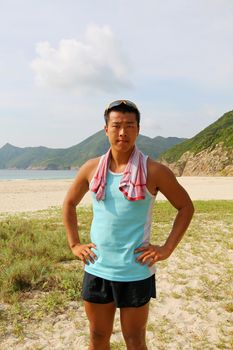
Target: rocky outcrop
<point x="213" y="161"/>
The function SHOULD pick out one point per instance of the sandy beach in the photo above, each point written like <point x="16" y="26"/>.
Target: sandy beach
<point x="193" y="309"/>
<point x="32" y="195"/>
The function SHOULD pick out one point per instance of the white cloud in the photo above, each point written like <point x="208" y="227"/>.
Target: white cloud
<point x="98" y="63"/>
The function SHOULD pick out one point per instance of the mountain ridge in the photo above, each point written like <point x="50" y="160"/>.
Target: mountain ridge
<point x="12" y="157"/>
<point x="210" y="152"/>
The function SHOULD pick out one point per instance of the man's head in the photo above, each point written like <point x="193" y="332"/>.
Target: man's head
<point x="122" y="125"/>
<point x="123" y="106"/>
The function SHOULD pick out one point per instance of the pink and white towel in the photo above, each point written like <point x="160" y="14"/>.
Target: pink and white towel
<point x="133" y="182"/>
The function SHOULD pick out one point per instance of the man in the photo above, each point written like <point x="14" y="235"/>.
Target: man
<point x="119" y="261"/>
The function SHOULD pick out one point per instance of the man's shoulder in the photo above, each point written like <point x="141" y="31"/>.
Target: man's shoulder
<point x="155" y="167"/>
<point x="91" y="164"/>
<point x="92" y="161"/>
<point x="87" y="170"/>
<point x="155" y="164"/>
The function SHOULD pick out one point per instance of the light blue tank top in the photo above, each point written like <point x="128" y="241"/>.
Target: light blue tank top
<point x="120" y="226"/>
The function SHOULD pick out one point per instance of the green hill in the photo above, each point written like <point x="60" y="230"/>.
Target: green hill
<point x="47" y="158"/>
<point x="210" y="152"/>
<point x="220" y="131"/>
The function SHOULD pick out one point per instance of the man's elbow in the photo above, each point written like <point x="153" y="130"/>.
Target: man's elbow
<point x="190" y="208"/>
<point x="187" y="208"/>
<point x="68" y="205"/>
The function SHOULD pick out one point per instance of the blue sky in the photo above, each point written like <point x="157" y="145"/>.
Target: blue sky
<point x="62" y="61"/>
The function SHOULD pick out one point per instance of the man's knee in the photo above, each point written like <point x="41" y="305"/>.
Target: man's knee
<point x="99" y="335"/>
<point x="135" y="340"/>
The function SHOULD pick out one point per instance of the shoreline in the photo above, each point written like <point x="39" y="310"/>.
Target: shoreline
<point x="32" y="195"/>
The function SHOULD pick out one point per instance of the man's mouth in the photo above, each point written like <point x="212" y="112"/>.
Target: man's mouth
<point x="122" y="141"/>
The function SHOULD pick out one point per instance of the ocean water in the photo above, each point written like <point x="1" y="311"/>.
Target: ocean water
<point x="37" y="174"/>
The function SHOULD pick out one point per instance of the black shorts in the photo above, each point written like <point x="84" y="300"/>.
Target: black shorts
<point x="123" y="294"/>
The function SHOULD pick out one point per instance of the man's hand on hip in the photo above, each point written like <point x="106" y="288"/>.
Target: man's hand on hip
<point x="151" y="254"/>
<point x="84" y="252"/>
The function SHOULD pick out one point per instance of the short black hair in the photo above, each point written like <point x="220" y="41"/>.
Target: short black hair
<point x="124" y="109"/>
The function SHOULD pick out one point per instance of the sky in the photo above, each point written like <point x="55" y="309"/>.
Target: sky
<point x="63" y="61"/>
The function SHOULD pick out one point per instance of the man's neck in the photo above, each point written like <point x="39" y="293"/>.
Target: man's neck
<point x="119" y="160"/>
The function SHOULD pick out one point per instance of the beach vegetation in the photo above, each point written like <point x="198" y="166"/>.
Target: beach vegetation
<point x="115" y="345"/>
<point x="40" y="278"/>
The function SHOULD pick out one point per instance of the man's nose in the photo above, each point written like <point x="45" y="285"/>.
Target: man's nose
<point x="122" y="131"/>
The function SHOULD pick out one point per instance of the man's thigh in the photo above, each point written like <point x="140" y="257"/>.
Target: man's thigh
<point x="100" y="316"/>
<point x="134" y="319"/>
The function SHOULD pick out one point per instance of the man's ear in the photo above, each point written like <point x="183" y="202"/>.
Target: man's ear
<point x="106" y="129"/>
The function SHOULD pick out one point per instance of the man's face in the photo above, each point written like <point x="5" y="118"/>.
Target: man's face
<point x="122" y="130"/>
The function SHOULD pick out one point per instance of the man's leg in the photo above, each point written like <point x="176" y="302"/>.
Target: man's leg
<point x="133" y="324"/>
<point x="101" y="317"/>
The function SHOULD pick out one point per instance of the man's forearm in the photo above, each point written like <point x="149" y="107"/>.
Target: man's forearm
<point x="71" y="224"/>
<point x="180" y="225"/>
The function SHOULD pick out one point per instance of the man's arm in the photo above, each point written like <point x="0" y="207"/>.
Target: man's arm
<point x="76" y="192"/>
<point x="166" y="183"/>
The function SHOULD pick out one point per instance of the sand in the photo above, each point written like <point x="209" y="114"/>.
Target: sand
<point x="32" y="195"/>
<point x="172" y="316"/>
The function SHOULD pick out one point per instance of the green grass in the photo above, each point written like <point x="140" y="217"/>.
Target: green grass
<point x="33" y="251"/>
<point x="118" y="345"/>
<point x="37" y="265"/>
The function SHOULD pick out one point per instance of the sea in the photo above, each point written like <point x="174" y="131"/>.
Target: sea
<point x="16" y="174"/>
